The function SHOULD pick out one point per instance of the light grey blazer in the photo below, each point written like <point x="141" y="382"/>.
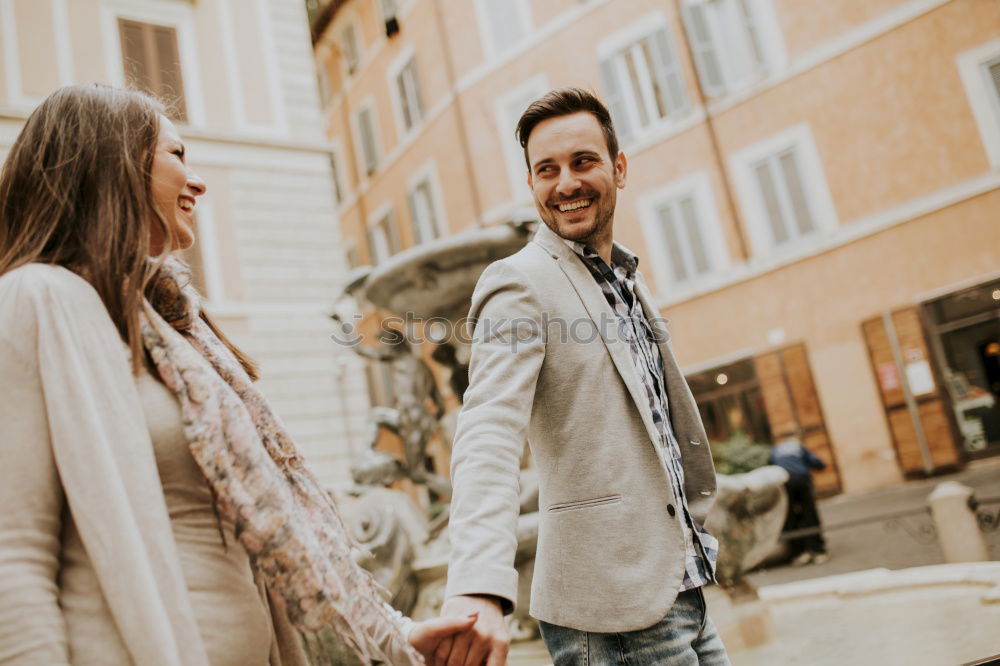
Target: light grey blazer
<point x="549" y="367"/>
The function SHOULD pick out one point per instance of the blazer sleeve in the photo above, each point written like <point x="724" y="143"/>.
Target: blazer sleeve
<point x="508" y="350"/>
<point x="31" y="499"/>
<point x="812" y="459"/>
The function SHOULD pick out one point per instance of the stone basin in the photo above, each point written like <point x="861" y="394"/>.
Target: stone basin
<point x="436" y="279"/>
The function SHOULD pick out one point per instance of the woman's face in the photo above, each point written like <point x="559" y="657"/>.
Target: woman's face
<point x="175" y="189"/>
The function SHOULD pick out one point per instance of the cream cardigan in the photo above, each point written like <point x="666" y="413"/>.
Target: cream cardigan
<point x="73" y="435"/>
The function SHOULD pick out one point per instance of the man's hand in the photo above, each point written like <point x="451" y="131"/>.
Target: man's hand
<point x="487" y="642"/>
<point x="427" y="636"/>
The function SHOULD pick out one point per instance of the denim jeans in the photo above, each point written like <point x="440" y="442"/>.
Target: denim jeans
<point x="685" y="637"/>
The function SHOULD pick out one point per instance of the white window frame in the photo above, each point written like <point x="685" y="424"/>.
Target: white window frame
<point x="611" y="47"/>
<point x="770" y="42"/>
<point x="493" y="50"/>
<point x="383" y="211"/>
<point x="11" y="53"/>
<point x="177" y="15"/>
<point x="814" y="185"/>
<point x="393" y="72"/>
<point x="983" y="98"/>
<point x="697" y="186"/>
<point x="367" y="105"/>
<point x="517" y="170"/>
<point x="207" y="246"/>
<point x="428" y="174"/>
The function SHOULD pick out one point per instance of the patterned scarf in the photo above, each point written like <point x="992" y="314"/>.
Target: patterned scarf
<point x="283" y="518"/>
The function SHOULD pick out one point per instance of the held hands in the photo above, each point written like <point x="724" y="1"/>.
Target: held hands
<point x="487" y="642"/>
<point x="428" y="636"/>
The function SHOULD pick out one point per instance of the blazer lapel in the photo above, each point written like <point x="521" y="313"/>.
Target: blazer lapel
<point x="604" y="319"/>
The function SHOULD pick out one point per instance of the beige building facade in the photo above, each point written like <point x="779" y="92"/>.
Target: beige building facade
<point x="814" y="191"/>
<point x="268" y="256"/>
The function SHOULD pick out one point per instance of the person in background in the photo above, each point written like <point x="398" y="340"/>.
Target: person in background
<point x="792" y="456"/>
<point x="155" y="510"/>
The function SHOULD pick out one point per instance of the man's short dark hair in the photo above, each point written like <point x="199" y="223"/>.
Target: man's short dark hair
<point x="563" y="102"/>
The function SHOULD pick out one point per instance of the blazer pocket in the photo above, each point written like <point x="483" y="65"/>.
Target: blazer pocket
<point x="584" y="504"/>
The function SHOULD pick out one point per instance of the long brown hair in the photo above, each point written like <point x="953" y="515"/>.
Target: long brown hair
<point x="76" y="191"/>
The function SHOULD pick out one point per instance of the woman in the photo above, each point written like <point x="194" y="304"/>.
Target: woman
<point x="154" y="510"/>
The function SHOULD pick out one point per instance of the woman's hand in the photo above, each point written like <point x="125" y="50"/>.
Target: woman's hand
<point x="426" y="636"/>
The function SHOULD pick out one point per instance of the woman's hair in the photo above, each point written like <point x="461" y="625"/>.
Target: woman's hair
<point x="76" y="190"/>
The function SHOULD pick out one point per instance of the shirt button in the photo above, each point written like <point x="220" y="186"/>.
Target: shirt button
<point x="671" y="510"/>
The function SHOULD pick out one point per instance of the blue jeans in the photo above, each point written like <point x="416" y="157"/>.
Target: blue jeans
<point x="685" y="637"/>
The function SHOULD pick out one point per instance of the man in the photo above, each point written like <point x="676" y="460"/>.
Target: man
<point x="569" y="354"/>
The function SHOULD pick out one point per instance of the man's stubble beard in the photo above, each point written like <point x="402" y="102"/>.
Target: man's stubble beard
<point x="602" y="220"/>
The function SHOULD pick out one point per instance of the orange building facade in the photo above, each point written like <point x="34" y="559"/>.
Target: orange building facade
<point x="814" y="191"/>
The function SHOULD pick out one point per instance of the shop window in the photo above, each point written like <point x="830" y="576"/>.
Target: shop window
<point x="643" y="83"/>
<point x="756" y="402"/>
<point x="966" y="336"/>
<point x="152" y="63"/>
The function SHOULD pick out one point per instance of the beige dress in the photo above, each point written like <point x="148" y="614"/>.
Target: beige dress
<point x="234" y="624"/>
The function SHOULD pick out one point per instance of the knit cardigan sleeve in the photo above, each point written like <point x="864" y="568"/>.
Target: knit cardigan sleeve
<point x="31" y="498"/>
<point x="74" y="442"/>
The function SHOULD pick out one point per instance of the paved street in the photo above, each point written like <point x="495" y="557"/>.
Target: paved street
<point x="865" y="546"/>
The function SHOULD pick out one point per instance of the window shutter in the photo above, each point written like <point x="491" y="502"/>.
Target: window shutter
<point x="695" y="241"/>
<point x="796" y="192"/>
<point x="993" y="71"/>
<point x="171" y="87"/>
<point x="615" y="101"/>
<point x="706" y="55"/>
<point x="504" y="24"/>
<point x="151" y="61"/>
<point x="404" y="99"/>
<point x="671" y="237"/>
<point x="349" y="44"/>
<point x="769" y="195"/>
<point x="392" y="233"/>
<point x="137" y="66"/>
<point x="367" y="141"/>
<point x="668" y="72"/>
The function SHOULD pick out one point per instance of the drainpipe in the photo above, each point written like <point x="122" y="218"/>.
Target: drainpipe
<point x="714" y="140"/>
<point x="463" y="137"/>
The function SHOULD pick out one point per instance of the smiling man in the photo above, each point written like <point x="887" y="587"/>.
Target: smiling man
<point x="570" y="355"/>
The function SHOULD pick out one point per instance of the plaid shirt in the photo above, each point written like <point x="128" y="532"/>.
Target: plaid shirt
<point x="618" y="284"/>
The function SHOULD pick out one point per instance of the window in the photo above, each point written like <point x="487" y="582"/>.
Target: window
<point x="366" y="135"/>
<point x="408" y="93"/>
<point x="725" y="36"/>
<point x="152" y="63"/>
<point x="505" y="23"/>
<point x="424" y="213"/>
<point x="643" y="83"/>
<point x="980" y="72"/>
<point x="683" y="232"/>
<point x="383" y="238"/>
<point x="779" y="179"/>
<point x="783" y="189"/>
<point x="349" y="48"/>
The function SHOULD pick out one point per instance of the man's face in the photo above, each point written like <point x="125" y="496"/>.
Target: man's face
<point x="572" y="178"/>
